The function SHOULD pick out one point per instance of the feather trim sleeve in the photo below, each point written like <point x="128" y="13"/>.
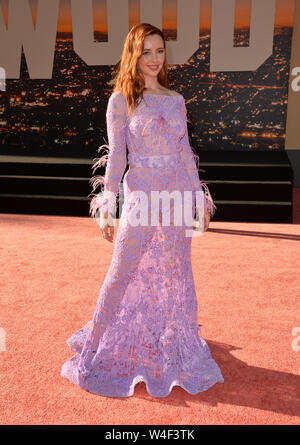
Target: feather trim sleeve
<point x="114" y="158"/>
<point x="204" y="199"/>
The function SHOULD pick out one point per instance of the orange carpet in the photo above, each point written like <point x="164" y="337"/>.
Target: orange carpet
<point x="248" y="285"/>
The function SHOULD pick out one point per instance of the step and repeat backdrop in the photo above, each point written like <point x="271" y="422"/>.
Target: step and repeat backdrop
<point x="229" y="58"/>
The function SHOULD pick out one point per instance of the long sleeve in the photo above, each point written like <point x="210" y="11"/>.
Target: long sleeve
<point x="114" y="158"/>
<point x="204" y="200"/>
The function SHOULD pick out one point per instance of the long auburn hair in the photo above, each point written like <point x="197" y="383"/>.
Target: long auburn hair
<point x="128" y="79"/>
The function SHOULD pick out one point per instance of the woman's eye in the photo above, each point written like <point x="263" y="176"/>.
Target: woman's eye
<point x="160" y="51"/>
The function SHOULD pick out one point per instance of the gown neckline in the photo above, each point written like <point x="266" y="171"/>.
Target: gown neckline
<point x="161" y="95"/>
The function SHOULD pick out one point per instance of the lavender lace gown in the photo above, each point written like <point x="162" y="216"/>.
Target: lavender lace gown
<point x="144" y="326"/>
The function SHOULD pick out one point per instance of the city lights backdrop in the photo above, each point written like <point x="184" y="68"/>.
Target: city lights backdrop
<point x="230" y="110"/>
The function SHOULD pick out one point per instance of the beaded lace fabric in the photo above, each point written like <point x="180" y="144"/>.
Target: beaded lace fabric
<point x="144" y="325"/>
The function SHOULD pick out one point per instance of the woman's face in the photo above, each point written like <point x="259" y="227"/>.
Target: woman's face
<point x="153" y="57"/>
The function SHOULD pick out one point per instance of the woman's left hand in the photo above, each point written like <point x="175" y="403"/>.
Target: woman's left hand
<point x="206" y="220"/>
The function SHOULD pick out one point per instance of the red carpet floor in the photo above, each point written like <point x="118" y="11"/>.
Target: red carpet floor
<point x="247" y="278"/>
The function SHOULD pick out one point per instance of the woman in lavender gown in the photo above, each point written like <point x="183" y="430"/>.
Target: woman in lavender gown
<point x="144" y="326"/>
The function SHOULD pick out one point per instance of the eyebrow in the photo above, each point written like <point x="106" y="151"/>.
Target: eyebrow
<point x="149" y="49"/>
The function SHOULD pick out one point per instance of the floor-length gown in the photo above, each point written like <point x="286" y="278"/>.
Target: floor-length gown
<point x="144" y="326"/>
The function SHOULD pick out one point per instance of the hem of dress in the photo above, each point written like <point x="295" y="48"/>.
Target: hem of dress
<point x="135" y="380"/>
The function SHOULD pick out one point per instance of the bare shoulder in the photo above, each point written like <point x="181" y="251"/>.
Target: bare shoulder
<point x="174" y="93"/>
<point x="170" y="92"/>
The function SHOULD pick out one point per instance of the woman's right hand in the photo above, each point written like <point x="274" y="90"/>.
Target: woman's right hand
<point x="106" y="226"/>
